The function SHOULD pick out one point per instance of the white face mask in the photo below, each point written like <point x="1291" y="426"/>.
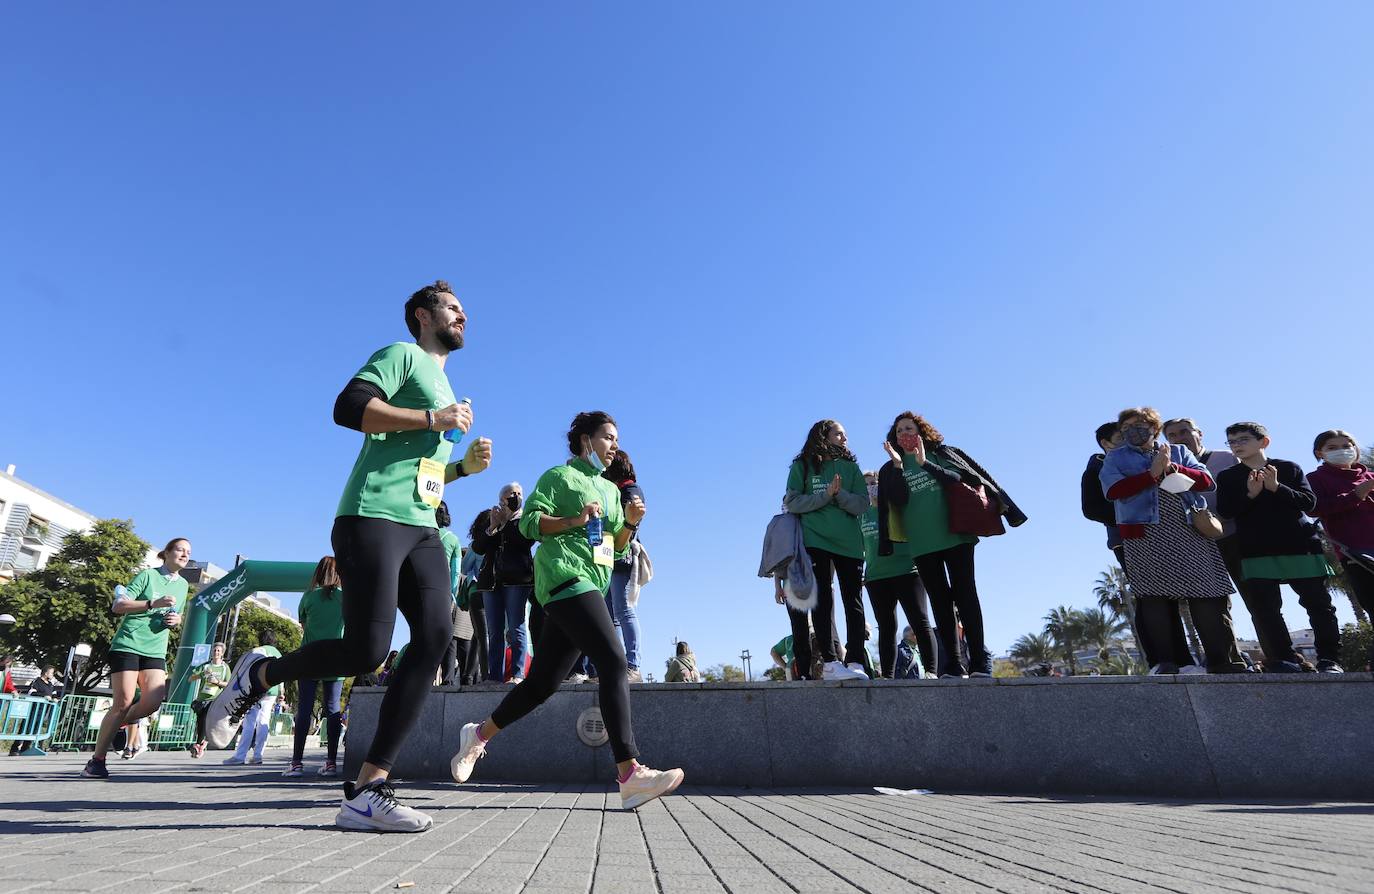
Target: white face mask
<point x="594" y="458"/>
<point x="1342" y="457"/>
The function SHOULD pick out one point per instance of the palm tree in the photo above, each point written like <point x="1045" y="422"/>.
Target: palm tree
<point x="1113" y="593"/>
<point x="1031" y="649"/>
<point x="1064" y="627"/>
<point x="1101" y="629"/>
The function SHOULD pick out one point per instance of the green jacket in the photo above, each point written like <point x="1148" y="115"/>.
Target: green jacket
<point x="563" y="564"/>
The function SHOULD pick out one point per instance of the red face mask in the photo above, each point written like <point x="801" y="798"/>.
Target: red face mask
<point x="909" y="442"/>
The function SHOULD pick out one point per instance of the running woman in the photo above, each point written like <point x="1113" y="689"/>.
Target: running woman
<point x="387" y="546"/>
<point x="149" y="608"/>
<point x="321" y="614"/>
<point x="570" y="578"/>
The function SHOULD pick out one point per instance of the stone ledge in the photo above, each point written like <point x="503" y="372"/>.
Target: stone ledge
<point x="1298" y="735"/>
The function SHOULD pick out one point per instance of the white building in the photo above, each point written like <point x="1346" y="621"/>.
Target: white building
<point x="33" y="525"/>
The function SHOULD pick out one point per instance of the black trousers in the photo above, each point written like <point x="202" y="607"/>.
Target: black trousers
<point x="885" y="595"/>
<point x="573" y="626"/>
<point x="949" y="579"/>
<point x="1164" y="641"/>
<point x="384" y="567"/>
<point x="1265" y="603"/>
<point x="1156" y="615"/>
<point x="476" y="670"/>
<point x="456" y="660"/>
<point x="850" y="571"/>
<point x="1362" y="582"/>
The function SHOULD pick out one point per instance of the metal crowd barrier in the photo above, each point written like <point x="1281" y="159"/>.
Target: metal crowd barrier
<point x="77" y="724"/>
<point x="25" y="718"/>
<point x="173" y="726"/>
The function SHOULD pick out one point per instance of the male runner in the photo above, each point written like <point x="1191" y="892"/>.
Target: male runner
<point x="387" y="546"/>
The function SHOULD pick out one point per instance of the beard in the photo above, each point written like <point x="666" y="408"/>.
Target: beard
<point x="451" y="340"/>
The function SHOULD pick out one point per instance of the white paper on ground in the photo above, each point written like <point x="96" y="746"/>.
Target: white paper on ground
<point x="1177" y="483"/>
<point x="902" y="791"/>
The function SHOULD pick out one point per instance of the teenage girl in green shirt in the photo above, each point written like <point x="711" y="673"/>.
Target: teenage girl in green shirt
<point x="321" y="615"/>
<point x="826" y="488"/>
<point x="570" y="575"/>
<point x="149" y="608"/>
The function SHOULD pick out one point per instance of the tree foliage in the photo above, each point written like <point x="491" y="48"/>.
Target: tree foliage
<point x="1031" y="649"/>
<point x="253" y="620"/>
<point x="722" y="673"/>
<point x="1064" y="627"/>
<point x="68" y="600"/>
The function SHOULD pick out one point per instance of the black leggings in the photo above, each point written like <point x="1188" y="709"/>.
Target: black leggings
<point x="885" y="595"/>
<point x="949" y="579"/>
<point x="455" y="663"/>
<point x="383" y="566"/>
<point x="850" y="571"/>
<point x="572" y="626"/>
<point x="1362" y="582"/>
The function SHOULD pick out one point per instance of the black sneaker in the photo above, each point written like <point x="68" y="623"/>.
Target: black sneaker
<point x="1327" y="666"/>
<point x="1282" y="667"/>
<point x="95" y="770"/>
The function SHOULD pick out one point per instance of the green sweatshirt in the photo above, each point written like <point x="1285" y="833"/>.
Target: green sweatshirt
<point x="831" y="524"/>
<point x="453" y="550"/>
<point x="386" y="478"/>
<point x="564" y="565"/>
<point x="878" y="567"/>
<point x="321" y="617"/>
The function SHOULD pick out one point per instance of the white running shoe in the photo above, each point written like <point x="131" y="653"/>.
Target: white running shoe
<point x="293" y="771"/>
<point x="858" y="669"/>
<point x="833" y="670"/>
<point x="1192" y="670"/>
<point x="234" y="759"/>
<point x="645" y="784"/>
<point x="576" y="679"/>
<point x="330" y="770"/>
<point x="374" y="808"/>
<point x="470" y="750"/>
<point x="226" y="712"/>
<point x="253" y="760"/>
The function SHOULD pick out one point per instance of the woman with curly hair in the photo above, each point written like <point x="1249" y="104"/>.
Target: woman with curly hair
<point x="912" y="484"/>
<point x="827" y="489"/>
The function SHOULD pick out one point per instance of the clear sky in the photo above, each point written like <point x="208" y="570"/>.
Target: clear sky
<point x="719" y="222"/>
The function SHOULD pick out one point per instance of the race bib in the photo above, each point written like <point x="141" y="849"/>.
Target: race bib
<point x="429" y="483"/>
<point x="604" y="554"/>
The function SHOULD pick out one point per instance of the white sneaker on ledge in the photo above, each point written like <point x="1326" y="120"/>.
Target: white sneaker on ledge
<point x="833" y="670"/>
<point x="470" y="750"/>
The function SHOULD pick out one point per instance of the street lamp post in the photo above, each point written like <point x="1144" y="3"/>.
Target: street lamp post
<point x="748" y="668"/>
<point x="80" y="650"/>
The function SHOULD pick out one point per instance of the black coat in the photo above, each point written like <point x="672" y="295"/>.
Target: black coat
<point x="508" y="559"/>
<point x="893" y="492"/>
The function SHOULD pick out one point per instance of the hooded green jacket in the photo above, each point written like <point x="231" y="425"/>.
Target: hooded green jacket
<point x="563" y="564"/>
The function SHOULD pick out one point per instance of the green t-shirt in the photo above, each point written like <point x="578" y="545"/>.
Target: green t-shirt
<point x="321" y="617"/>
<point x="213" y="678"/>
<point x="784" y="648"/>
<point x="878" y="567"/>
<point x="453" y="551"/>
<point x="927" y="512"/>
<point x="384" y="480"/>
<point x="146" y="633"/>
<point x="564" y="562"/>
<point x="831" y="528"/>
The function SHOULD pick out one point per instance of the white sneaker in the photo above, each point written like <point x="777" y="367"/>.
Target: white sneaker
<point x="234" y="759"/>
<point x="1192" y="670"/>
<point x="645" y="784"/>
<point x="858" y="669"/>
<point x="293" y="771"/>
<point x="516" y="681"/>
<point x="253" y="760"/>
<point x="833" y="670"/>
<point x="374" y="808"/>
<point x="330" y="770"/>
<point x="577" y="679"/>
<point x="470" y="750"/>
<point x="226" y="712"/>
<point x="634" y="676"/>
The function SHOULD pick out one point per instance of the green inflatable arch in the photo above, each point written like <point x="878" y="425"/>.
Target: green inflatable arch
<point x="198" y="626"/>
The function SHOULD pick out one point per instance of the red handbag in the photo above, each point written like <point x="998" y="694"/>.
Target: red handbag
<point x="971" y="512"/>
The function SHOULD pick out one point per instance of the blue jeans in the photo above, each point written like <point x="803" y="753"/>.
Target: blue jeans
<point x="505" y="610"/>
<point x="305" y="709"/>
<point x="623" y="614"/>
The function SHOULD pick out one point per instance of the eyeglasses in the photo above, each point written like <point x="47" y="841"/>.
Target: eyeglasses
<point x="1239" y="442"/>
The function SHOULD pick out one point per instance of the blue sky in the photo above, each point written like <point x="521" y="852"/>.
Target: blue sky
<point x="720" y="222"/>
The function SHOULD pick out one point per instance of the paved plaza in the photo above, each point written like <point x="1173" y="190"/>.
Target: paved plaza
<point x="169" y="823"/>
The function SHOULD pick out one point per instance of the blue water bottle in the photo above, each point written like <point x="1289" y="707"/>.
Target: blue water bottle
<point x="594" y="531"/>
<point x="454" y="435"/>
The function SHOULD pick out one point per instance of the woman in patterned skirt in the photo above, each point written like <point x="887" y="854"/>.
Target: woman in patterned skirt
<point x="1156" y="488"/>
